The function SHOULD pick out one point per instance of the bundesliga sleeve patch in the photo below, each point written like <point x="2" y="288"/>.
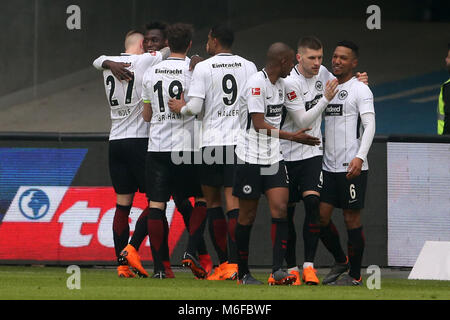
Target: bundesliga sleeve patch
<point x="292" y="95"/>
<point x="256" y="91"/>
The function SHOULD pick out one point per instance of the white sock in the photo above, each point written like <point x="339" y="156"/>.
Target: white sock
<point x="308" y="264"/>
<point x="293" y="269"/>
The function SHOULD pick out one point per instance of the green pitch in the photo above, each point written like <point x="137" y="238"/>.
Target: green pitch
<point x="25" y="282"/>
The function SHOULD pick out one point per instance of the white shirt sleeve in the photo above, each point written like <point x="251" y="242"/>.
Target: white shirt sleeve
<point x="193" y="107"/>
<point x="256" y="96"/>
<point x="99" y="62"/>
<point x="368" y="121"/>
<point x="148" y="59"/>
<point x="147" y="86"/>
<point x="198" y="83"/>
<point x="295" y="105"/>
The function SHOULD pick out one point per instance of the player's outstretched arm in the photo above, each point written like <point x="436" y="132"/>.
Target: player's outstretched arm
<point x="300" y="136"/>
<point x="193" y="107"/>
<point x="304" y="118"/>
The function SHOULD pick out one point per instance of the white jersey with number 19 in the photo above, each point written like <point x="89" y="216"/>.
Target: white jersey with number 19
<point x="168" y="131"/>
<point x="125" y="97"/>
<point x="220" y="80"/>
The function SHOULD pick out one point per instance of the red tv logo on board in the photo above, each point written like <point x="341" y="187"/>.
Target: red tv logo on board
<point x="71" y="224"/>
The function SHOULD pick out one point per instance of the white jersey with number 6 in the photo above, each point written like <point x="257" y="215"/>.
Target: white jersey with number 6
<point x="125" y="97"/>
<point x="343" y="128"/>
<point x="168" y="131"/>
<point x="220" y="80"/>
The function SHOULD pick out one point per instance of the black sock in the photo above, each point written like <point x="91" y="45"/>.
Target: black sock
<point x="184" y="206"/>
<point x="140" y="230"/>
<point x="197" y="225"/>
<point x="356" y="243"/>
<point x="121" y="228"/>
<point x="218" y="229"/>
<point x="158" y="234"/>
<point x="330" y="238"/>
<point x="311" y="226"/>
<point x="232" y="249"/>
<point x="201" y="245"/>
<point x="242" y="243"/>
<point x="291" y="257"/>
<point x="279" y="242"/>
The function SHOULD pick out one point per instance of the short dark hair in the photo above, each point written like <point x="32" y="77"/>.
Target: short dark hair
<point x="131" y="32"/>
<point x="349" y="44"/>
<point x="310" y="42"/>
<point x="179" y="35"/>
<point x="159" y="25"/>
<point x="224" y="34"/>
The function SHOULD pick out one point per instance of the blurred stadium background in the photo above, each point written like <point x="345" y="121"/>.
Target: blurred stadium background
<point x="50" y="89"/>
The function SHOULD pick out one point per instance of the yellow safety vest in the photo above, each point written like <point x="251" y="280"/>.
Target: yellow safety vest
<point x="440" y="111"/>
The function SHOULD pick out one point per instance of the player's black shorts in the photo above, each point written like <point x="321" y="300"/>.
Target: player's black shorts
<point x="165" y="178"/>
<point x="304" y="175"/>
<point x="343" y="193"/>
<point x="252" y="180"/>
<point x="218" y="166"/>
<point x="127" y="164"/>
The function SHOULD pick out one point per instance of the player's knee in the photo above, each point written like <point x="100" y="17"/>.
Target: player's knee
<point x="312" y="203"/>
<point x="352" y="219"/>
<point x="246" y="218"/>
<point x="279" y="210"/>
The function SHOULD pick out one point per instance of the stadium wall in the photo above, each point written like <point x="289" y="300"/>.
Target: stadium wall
<point x="42" y="55"/>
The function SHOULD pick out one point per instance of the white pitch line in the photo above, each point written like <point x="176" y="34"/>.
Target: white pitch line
<point x="409" y="92"/>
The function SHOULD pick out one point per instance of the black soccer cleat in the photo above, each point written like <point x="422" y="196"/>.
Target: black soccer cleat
<point x="189" y="261"/>
<point x="248" y="279"/>
<point x="283" y="278"/>
<point x="347" y="281"/>
<point x="335" y="272"/>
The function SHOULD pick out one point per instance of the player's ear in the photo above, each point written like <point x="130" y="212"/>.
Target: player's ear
<point x="298" y="57"/>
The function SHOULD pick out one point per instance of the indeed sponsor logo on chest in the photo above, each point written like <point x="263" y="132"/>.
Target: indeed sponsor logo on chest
<point x="333" y="110"/>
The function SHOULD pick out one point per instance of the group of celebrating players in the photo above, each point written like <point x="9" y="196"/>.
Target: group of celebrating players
<point x="186" y="128"/>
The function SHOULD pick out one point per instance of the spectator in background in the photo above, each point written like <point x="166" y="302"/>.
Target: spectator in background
<point x="443" y="121"/>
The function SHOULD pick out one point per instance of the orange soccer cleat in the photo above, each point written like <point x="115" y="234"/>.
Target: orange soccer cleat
<point x="206" y="263"/>
<point x="296" y="273"/>
<point x="189" y="261"/>
<point x="225" y="271"/>
<point x="130" y="256"/>
<point x="309" y="276"/>
<point x="125" y="272"/>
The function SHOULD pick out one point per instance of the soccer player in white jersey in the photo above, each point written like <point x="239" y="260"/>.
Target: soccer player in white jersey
<point x="349" y="131"/>
<point x="128" y="136"/>
<point x="216" y="85"/>
<point x="262" y="169"/>
<point x="306" y="87"/>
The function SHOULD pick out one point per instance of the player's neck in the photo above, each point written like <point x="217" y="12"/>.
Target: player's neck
<point x="134" y="50"/>
<point x="272" y="74"/>
<point x="177" y="55"/>
<point x="303" y="72"/>
<point x="222" y="50"/>
<point x="344" y="78"/>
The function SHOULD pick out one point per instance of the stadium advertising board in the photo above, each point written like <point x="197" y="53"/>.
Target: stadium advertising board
<point x="418" y="198"/>
<point x="47" y="219"/>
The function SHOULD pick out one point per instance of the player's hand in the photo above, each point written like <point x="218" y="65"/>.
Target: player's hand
<point x="194" y="60"/>
<point x="354" y="168"/>
<point x="119" y="69"/>
<point x="301" y="137"/>
<point x="175" y="105"/>
<point x="331" y="89"/>
<point x="363" y="77"/>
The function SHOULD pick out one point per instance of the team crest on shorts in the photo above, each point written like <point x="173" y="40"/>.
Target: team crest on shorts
<point x="247" y="189"/>
<point x="319" y="85"/>
<point x="342" y="95"/>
